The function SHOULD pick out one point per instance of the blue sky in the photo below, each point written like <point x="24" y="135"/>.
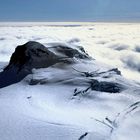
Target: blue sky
<point x="69" y="10"/>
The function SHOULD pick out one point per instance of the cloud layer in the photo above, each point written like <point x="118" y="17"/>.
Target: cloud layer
<point x="115" y="44"/>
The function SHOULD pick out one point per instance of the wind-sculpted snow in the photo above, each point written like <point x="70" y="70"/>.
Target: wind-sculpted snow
<point x="81" y="97"/>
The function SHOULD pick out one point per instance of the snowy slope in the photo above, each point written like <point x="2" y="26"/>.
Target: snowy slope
<point x="48" y="110"/>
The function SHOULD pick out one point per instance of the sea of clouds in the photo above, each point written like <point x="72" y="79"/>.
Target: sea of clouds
<point x="115" y="44"/>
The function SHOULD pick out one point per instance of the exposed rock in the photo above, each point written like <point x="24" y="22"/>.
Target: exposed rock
<point x="66" y="51"/>
<point x="110" y="73"/>
<point x="38" y="81"/>
<point x="27" y="56"/>
<point x="101" y="86"/>
<point x="35" y="55"/>
<point x="83" y="136"/>
<point x="32" y="55"/>
<point x="115" y="70"/>
<point x="104" y="86"/>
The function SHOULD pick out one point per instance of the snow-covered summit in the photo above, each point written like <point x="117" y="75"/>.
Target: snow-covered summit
<point x="74" y="98"/>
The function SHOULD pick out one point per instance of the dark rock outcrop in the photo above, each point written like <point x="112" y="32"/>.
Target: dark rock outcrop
<point x="35" y="55"/>
<point x="32" y="55"/>
<point x="27" y="56"/>
<point x="104" y="86"/>
<point x="66" y="51"/>
<point x="101" y="86"/>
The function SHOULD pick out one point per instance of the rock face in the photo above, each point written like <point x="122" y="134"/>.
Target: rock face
<point x="104" y="86"/>
<point x="27" y="56"/>
<point x="35" y="55"/>
<point x="32" y="55"/>
<point x="69" y="52"/>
